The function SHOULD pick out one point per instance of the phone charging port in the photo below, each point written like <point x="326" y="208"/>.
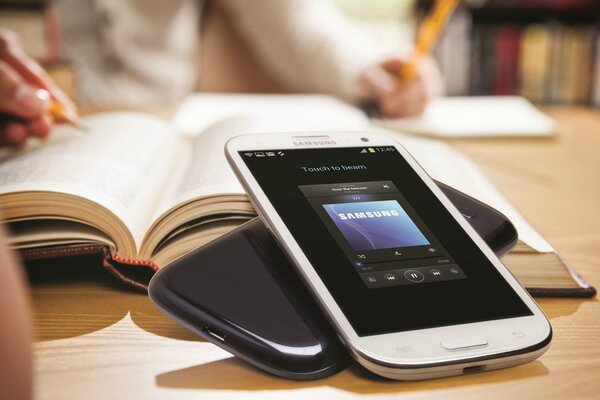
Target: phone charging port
<point x="473" y="368"/>
<point x="214" y="334"/>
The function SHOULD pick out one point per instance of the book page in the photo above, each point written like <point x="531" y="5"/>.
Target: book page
<point x="203" y="177"/>
<point x="121" y="163"/>
<point x="308" y="111"/>
<point x="202" y="170"/>
<point x="43" y="233"/>
<point x="210" y="120"/>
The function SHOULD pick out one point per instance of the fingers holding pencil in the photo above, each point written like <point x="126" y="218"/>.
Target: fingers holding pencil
<point x="27" y="96"/>
<point x="23" y="108"/>
<point x="416" y="79"/>
<point x="396" y="98"/>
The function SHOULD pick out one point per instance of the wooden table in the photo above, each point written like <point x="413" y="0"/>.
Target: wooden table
<point x="98" y="340"/>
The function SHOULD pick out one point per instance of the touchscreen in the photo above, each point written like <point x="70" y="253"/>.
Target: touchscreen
<point x="389" y="252"/>
<point x="381" y="234"/>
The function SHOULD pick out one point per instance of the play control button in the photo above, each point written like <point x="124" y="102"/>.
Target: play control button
<point x="414" y="275"/>
<point x="464" y="343"/>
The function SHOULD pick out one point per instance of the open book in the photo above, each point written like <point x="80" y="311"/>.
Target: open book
<point x="148" y="191"/>
<point x="131" y="184"/>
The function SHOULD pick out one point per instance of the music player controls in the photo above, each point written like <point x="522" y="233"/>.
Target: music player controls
<point x="414" y="275"/>
<point x="436" y="273"/>
<point x="410" y="276"/>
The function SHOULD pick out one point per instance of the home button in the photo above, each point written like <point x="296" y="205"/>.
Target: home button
<point x="464" y="343"/>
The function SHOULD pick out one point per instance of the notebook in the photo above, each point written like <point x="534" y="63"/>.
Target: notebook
<point x="481" y="116"/>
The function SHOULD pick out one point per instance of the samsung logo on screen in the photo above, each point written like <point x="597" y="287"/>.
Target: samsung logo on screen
<point x="369" y="214"/>
<point x="306" y="143"/>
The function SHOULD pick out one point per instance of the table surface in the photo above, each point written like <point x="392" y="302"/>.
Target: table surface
<point x="96" y="339"/>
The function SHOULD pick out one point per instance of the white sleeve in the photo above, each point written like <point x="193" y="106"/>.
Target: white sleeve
<point x="308" y="44"/>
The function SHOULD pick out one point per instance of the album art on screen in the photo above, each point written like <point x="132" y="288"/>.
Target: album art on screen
<point x="374" y="225"/>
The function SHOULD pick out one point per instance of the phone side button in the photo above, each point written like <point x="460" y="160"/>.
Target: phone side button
<point x="464" y="343"/>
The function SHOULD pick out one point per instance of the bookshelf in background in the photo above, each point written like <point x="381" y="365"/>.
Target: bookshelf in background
<point x="545" y="50"/>
<point x="35" y="22"/>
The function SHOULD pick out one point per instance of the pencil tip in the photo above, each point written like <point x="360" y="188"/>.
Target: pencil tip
<point x="83" y="127"/>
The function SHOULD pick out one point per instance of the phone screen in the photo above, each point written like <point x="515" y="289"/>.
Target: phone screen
<point x="389" y="252"/>
<point x="381" y="234"/>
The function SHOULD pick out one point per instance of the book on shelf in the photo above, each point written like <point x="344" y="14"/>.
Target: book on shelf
<point x="144" y="191"/>
<point x="535" y="62"/>
<point x="544" y="50"/>
<point x="506" y="73"/>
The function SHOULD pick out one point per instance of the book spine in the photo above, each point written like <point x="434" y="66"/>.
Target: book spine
<point x="114" y="263"/>
<point x="482" y="60"/>
<point x="133" y="261"/>
<point x="125" y="269"/>
<point x="60" y="252"/>
<point x="535" y="59"/>
<point x="506" y="74"/>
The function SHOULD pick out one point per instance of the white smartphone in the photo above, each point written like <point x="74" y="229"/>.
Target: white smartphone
<point x="408" y="284"/>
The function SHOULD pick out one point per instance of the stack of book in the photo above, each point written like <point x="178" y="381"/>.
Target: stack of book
<point x="545" y="50"/>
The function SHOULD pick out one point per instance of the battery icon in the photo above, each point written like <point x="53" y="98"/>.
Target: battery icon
<point x="371" y="150"/>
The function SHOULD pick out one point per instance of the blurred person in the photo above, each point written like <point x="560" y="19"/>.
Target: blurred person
<point x="136" y="52"/>
<point x="140" y="53"/>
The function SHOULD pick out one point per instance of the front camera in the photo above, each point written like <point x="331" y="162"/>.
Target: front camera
<point x="364" y="139"/>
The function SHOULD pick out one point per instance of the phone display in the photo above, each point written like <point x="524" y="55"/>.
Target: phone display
<point x="381" y="234"/>
<point x="384" y="245"/>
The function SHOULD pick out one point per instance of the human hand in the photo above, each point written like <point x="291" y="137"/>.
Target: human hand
<point x="25" y="94"/>
<point x="402" y="99"/>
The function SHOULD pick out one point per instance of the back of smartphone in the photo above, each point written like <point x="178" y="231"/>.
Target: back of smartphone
<point x="241" y="293"/>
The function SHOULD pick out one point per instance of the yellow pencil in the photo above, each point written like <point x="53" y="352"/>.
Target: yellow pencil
<point x="60" y="114"/>
<point x="428" y="35"/>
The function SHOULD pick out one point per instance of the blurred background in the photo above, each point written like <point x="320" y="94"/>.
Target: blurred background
<point x="545" y="50"/>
